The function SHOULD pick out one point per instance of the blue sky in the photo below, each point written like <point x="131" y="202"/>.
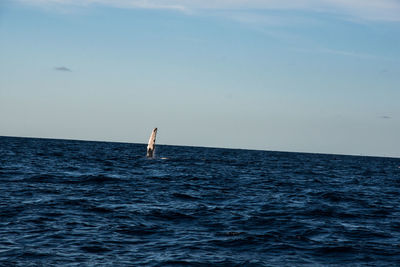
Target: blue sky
<point x="312" y="76"/>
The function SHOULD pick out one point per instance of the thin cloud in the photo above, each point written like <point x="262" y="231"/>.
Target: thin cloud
<point x="379" y="10"/>
<point x="385" y="117"/>
<point x="344" y="53"/>
<point x="349" y="54"/>
<point x="62" y="69"/>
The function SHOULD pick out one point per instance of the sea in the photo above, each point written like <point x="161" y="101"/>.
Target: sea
<point x="81" y="203"/>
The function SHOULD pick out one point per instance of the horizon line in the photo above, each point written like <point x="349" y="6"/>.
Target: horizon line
<point x="199" y="146"/>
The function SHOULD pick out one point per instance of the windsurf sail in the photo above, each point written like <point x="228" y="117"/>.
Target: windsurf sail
<point x="152" y="144"/>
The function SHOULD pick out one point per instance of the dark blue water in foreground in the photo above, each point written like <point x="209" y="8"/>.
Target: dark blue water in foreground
<point x="81" y="203"/>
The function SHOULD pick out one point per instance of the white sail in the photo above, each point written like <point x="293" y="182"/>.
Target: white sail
<point x="152" y="144"/>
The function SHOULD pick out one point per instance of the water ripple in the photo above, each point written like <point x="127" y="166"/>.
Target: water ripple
<point x="91" y="203"/>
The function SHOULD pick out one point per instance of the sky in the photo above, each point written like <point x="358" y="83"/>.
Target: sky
<point x="303" y="76"/>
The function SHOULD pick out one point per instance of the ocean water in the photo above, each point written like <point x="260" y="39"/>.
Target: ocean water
<point x="79" y="203"/>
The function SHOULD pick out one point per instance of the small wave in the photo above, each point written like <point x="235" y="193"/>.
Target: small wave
<point x="235" y="241"/>
<point x="92" y="179"/>
<point x="331" y="212"/>
<point x="35" y="255"/>
<point x="366" y="233"/>
<point x="139" y="230"/>
<point x="332" y="196"/>
<point x="169" y="215"/>
<point x="340" y="249"/>
<point x="11" y="211"/>
<point x="321" y="212"/>
<point x="41" y="178"/>
<point x="95" y="247"/>
<point x="99" y="209"/>
<point x="231" y="233"/>
<point x="184" y="196"/>
<point x="205" y="263"/>
<point x="58" y="154"/>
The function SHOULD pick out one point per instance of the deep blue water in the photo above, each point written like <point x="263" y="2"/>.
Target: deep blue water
<point x="82" y="203"/>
